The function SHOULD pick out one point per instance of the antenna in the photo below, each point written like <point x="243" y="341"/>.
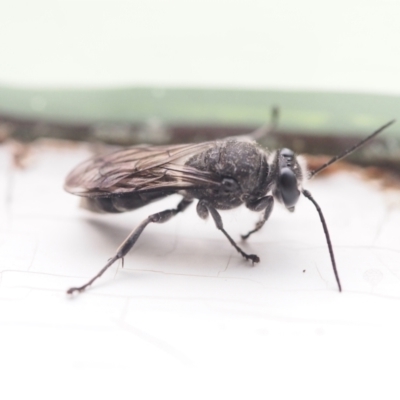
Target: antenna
<point x="307" y="194"/>
<point x="350" y="150"/>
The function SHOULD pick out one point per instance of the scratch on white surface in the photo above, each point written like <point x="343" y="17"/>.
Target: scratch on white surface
<point x="383" y="222"/>
<point x="10" y="171"/>
<point x="156" y="342"/>
<point x="320" y="275"/>
<point x="226" y="266"/>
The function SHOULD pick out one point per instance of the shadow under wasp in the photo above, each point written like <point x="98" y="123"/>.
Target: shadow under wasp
<point x="221" y="175"/>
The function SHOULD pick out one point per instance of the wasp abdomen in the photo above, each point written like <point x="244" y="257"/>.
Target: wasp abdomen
<point x="122" y="202"/>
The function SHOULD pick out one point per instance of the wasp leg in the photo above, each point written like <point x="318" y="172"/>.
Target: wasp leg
<point x="265" y="203"/>
<point x="203" y="208"/>
<point x="128" y="243"/>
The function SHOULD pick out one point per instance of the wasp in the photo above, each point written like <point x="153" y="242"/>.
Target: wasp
<point x="220" y="175"/>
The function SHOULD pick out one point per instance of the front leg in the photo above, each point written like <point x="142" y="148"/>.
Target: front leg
<point x="265" y="203"/>
<point x="203" y="208"/>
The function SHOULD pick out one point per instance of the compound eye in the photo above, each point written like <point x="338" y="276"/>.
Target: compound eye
<point x="229" y="185"/>
<point x="288" y="187"/>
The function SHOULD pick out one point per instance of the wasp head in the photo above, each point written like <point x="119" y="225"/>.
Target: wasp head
<point x="288" y="175"/>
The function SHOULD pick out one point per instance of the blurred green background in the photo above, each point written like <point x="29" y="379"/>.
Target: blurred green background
<point x="339" y="113"/>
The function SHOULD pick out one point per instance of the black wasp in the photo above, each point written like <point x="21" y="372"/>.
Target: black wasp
<point x="221" y="175"/>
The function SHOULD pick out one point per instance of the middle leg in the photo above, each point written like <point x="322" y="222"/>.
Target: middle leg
<point x="203" y="208"/>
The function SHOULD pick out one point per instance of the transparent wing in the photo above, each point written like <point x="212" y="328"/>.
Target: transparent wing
<point x="140" y="169"/>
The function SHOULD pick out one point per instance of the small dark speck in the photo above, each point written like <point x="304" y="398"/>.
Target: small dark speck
<point x="304" y="270"/>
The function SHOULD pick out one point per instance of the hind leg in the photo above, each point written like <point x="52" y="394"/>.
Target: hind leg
<point x="129" y="242"/>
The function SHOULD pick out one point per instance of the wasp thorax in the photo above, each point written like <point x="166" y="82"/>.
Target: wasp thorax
<point x="241" y="169"/>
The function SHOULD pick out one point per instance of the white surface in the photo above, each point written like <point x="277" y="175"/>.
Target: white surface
<point x="187" y="316"/>
<point x="345" y="45"/>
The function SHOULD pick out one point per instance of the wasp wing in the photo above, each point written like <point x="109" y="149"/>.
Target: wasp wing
<point x="140" y="169"/>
